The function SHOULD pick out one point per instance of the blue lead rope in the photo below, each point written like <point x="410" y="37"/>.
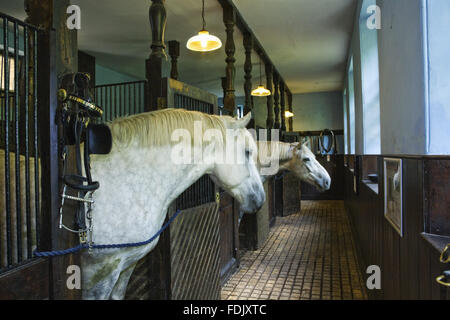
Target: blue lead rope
<point x="55" y="253"/>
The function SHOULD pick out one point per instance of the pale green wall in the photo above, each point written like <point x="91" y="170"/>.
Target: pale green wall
<point x="105" y="75"/>
<point x="317" y="111"/>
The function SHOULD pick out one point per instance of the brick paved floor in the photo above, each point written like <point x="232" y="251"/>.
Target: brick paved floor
<point x="310" y="255"/>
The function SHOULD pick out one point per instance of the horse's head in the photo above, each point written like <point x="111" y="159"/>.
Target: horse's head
<point x="305" y="166"/>
<point x="238" y="175"/>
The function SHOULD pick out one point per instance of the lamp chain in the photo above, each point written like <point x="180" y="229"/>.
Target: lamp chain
<point x="203" y="15"/>
<point x="260" y="73"/>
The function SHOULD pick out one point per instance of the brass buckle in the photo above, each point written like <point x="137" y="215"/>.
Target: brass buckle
<point x="83" y="237"/>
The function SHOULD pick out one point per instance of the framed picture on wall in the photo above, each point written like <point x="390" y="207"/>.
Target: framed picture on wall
<point x="393" y="204"/>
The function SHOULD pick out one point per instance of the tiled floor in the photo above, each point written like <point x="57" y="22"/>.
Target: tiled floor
<point x="310" y="255"/>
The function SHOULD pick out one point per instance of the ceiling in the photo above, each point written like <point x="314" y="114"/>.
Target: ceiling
<point x="307" y="40"/>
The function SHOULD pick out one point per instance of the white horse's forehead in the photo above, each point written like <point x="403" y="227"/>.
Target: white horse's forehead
<point x="244" y="136"/>
<point x="308" y="152"/>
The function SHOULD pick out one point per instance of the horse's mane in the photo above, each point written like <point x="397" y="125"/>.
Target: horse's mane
<point x="282" y="150"/>
<point x="155" y="128"/>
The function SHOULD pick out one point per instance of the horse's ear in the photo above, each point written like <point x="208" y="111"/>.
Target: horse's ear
<point x="244" y="121"/>
<point x="305" y="142"/>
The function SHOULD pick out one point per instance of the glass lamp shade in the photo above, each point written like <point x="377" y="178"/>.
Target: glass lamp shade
<point x="204" y="42"/>
<point x="261" y="92"/>
<point x="288" y="114"/>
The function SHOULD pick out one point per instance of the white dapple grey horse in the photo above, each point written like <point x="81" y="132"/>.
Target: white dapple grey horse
<point x="296" y="158"/>
<point x="138" y="182"/>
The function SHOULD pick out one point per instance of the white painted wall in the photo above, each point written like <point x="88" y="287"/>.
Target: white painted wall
<point x="438" y="21"/>
<point x="402" y="77"/>
<point x="414" y="78"/>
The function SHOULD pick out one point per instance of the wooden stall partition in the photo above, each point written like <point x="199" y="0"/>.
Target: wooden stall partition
<point x="229" y="231"/>
<point x="199" y="247"/>
<point x="291" y="194"/>
<point x="291" y="184"/>
<point x="254" y="228"/>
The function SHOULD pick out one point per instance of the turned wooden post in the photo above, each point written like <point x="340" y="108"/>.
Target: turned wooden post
<point x="276" y="98"/>
<point x="56" y="52"/>
<point x="248" y="46"/>
<point x="156" y="65"/>
<point x="229" y="19"/>
<point x="283" y="105"/>
<point x="174" y="52"/>
<point x="291" y="120"/>
<point x="269" y="98"/>
<point x="224" y="88"/>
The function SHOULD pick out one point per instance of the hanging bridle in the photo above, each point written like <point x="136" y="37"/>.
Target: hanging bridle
<point x="331" y="144"/>
<point x="76" y="113"/>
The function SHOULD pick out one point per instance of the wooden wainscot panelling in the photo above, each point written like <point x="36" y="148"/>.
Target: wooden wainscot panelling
<point x="369" y="166"/>
<point x="437" y="196"/>
<point x="410" y="263"/>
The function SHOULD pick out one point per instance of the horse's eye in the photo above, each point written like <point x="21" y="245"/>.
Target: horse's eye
<point x="247" y="153"/>
<point x="306" y="159"/>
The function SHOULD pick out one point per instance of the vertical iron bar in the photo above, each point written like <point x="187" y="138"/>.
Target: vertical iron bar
<point x="115" y="102"/>
<point x="129" y="100"/>
<point x="36" y="138"/>
<point x="134" y="98"/>
<point x="120" y="101"/>
<point x="7" y="168"/>
<point x="141" y="109"/>
<point x="104" y="105"/>
<point x="17" y="142"/>
<point x="110" y="103"/>
<point x="27" y="141"/>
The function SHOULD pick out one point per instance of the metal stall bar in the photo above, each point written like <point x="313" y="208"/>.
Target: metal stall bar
<point x="17" y="141"/>
<point x="6" y="135"/>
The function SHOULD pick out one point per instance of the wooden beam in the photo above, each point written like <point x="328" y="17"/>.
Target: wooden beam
<point x="248" y="46"/>
<point x="243" y="26"/>
<point x="174" y="52"/>
<point x="156" y="64"/>
<point x="229" y="19"/>
<point x="276" y="99"/>
<point x="283" y="105"/>
<point x="269" y="70"/>
<point x="57" y="54"/>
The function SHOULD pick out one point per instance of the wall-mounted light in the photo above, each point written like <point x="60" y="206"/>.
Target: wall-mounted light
<point x="261" y="91"/>
<point x="288" y="114"/>
<point x="204" y="41"/>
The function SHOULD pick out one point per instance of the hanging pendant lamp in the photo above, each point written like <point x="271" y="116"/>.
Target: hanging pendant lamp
<point x="204" y="41"/>
<point x="261" y="91"/>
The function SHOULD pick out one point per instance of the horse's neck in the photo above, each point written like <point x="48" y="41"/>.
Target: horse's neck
<point x="275" y="151"/>
<point x="141" y="182"/>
